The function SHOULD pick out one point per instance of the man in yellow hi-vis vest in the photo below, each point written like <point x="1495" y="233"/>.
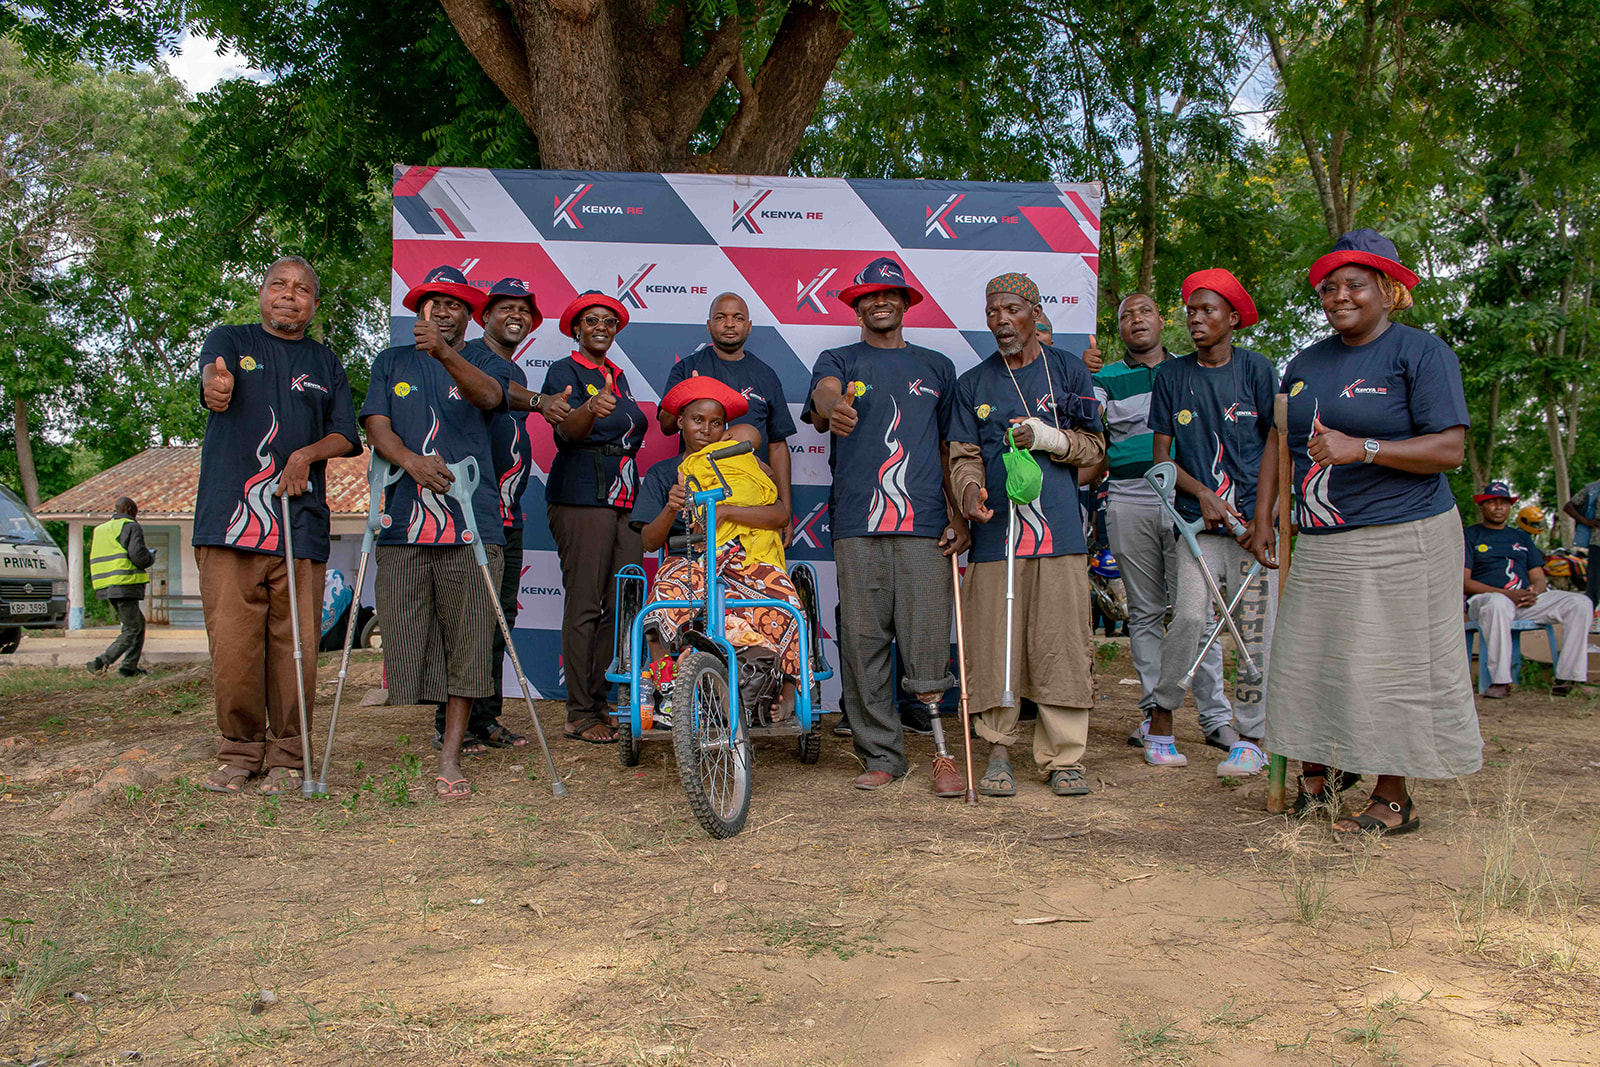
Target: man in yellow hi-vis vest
<point x="118" y="558"/>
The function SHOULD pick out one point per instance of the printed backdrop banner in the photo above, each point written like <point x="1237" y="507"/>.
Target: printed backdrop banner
<point x="667" y="244"/>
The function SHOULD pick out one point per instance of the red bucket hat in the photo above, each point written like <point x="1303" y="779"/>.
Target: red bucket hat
<point x="705" y="387"/>
<point x="590" y="299"/>
<point x="1368" y="248"/>
<point x="509" y="289"/>
<point x="447" y="281"/>
<point x="1225" y="285"/>
<point x="882" y="273"/>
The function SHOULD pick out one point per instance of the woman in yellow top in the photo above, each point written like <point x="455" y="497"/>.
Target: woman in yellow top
<point x="750" y="521"/>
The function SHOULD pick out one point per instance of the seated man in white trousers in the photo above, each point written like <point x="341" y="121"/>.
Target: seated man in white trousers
<point x="1505" y="583"/>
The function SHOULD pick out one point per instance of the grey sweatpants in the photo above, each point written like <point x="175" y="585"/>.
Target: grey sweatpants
<point x="1142" y="539"/>
<point x="1193" y="613"/>
<point x="892" y="589"/>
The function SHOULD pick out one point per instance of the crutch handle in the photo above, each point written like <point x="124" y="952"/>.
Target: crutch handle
<point x="461" y="489"/>
<point x="381" y="474"/>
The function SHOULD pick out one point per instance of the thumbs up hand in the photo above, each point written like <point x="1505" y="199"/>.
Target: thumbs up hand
<point x="556" y="407"/>
<point x="1092" y="357"/>
<point x="216" y="384"/>
<point x="1331" y="448"/>
<point x="842" y="419"/>
<point x="604" y="402"/>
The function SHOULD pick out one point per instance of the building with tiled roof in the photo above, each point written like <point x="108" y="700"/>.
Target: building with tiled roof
<point x="164" y="483"/>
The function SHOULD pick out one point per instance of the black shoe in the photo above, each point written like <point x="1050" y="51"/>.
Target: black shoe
<point x="132" y="672"/>
<point x="94" y="666"/>
<point x="842" y="727"/>
<point x="917" y="722"/>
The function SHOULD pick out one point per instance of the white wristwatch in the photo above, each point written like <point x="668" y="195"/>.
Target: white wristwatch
<point x="1369" y="451"/>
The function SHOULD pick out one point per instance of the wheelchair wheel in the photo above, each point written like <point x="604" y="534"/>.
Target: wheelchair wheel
<point x="714" y="754"/>
<point x="628" y="746"/>
<point x="808" y="746"/>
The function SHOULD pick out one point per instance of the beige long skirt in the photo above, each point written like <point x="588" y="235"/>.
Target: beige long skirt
<point x="1369" y="666"/>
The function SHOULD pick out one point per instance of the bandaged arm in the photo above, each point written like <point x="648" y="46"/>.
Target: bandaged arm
<point x="1074" y="447"/>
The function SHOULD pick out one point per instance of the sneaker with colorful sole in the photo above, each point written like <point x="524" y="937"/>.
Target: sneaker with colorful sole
<point x="1244" y="759"/>
<point x="1163" y="752"/>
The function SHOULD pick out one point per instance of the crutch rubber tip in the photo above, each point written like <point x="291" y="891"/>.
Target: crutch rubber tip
<point x="558" y="789"/>
<point x="1008" y="699"/>
<point x="314" y="789"/>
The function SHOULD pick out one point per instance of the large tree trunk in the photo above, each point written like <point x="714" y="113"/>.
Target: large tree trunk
<point x="604" y="84"/>
<point x="30" y="477"/>
<point x="1558" y="455"/>
<point x="1482" y="469"/>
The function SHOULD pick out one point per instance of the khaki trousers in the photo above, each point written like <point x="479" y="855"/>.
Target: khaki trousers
<point x="245" y="596"/>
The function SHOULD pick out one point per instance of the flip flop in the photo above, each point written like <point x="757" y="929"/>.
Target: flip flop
<point x="575" y="731"/>
<point x="454" y="788"/>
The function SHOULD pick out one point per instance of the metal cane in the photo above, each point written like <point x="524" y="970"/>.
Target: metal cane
<point x="466" y="480"/>
<point x="380" y="475"/>
<point x="1008" y="699"/>
<point x="961" y="667"/>
<point x="1163" y="478"/>
<point x="294" y="629"/>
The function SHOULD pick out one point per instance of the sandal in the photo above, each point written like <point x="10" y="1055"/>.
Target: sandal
<point x="579" y="731"/>
<point x="280" y="780"/>
<point x="1069" y="782"/>
<point x="470" y="746"/>
<point x="997" y="780"/>
<point x="1372" y="826"/>
<point x="498" y="736"/>
<point x="226" y="779"/>
<point x="451" y="788"/>
<point x="1304" y="801"/>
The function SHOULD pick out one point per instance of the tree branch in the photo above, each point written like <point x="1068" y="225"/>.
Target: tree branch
<point x="496" y="43"/>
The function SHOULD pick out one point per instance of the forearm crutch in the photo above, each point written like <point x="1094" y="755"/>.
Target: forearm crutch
<point x="1163" y="478"/>
<point x="294" y="630"/>
<point x="466" y="480"/>
<point x="961" y="669"/>
<point x="1216" y="627"/>
<point x="381" y="474"/>
<point x="1008" y="699"/>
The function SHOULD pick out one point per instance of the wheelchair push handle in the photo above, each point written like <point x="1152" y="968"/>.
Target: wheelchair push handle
<point x="684" y="542"/>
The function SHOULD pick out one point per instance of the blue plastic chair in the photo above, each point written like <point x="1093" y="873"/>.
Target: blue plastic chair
<point x="1517" y="630"/>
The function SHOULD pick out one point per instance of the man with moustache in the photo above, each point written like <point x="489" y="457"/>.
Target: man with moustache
<point x="430" y="404"/>
<point x="1210" y="413"/>
<point x="1044" y="400"/>
<point x="279" y="408"/>
<point x="508" y="319"/>
<point x="887" y="405"/>
<point x="727" y="360"/>
<point x="1137" y="528"/>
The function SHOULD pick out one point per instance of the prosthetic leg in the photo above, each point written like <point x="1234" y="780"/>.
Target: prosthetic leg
<point x="466" y="480"/>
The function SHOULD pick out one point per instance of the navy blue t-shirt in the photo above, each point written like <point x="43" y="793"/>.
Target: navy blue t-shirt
<point x="511" y="450"/>
<point x="286" y="395"/>
<point x="757" y="382"/>
<point x="1501" y="558"/>
<point x="1218" y="419"/>
<point x="582" y="473"/>
<point x="429" y="414"/>
<point x="653" y="489"/>
<point x="1058" y="389"/>
<point x="1405" y="383"/>
<point x="893" y="476"/>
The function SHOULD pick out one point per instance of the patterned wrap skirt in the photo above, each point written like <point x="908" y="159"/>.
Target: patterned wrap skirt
<point x="684" y="578"/>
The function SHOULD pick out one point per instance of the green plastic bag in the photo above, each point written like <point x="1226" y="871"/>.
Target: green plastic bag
<point x="1024" y="479"/>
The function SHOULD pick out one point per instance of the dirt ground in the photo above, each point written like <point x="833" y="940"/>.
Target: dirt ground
<point x="151" y="921"/>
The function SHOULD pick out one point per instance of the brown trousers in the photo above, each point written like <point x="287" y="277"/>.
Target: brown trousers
<point x="246" y="600"/>
<point x="593" y="543"/>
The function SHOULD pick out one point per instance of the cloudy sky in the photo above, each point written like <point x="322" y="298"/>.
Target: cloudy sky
<point x="200" y="65"/>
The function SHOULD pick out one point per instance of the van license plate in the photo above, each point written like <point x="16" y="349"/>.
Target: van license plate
<point x="26" y="607"/>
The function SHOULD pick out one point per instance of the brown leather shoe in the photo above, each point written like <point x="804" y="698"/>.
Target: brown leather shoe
<point x="876" y="780"/>
<point x="1497" y="692"/>
<point x="947" y="781"/>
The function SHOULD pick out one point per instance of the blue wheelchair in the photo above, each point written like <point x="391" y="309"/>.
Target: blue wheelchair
<point x="721" y="699"/>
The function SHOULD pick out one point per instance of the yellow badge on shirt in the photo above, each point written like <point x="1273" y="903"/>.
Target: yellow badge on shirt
<point x="983" y="411"/>
<point x="248" y="363"/>
<point x="592" y="390"/>
<point x="402" y="388"/>
<point x="1483" y="548"/>
<point x="1294" y="390"/>
<point x="1185" y="417"/>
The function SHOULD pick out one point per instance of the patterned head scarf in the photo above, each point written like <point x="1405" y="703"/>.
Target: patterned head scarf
<point x="1015" y="283"/>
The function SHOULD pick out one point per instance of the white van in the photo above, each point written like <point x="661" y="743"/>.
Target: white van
<point x="33" y="574"/>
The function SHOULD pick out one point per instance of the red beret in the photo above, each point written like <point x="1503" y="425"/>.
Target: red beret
<point x="1225" y="285"/>
<point x="705" y="387"/>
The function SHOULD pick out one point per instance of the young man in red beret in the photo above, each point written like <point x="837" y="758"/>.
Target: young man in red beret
<point x="1210" y="413"/>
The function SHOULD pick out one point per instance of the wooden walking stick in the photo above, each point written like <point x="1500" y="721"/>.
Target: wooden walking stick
<point x="1278" y="766"/>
